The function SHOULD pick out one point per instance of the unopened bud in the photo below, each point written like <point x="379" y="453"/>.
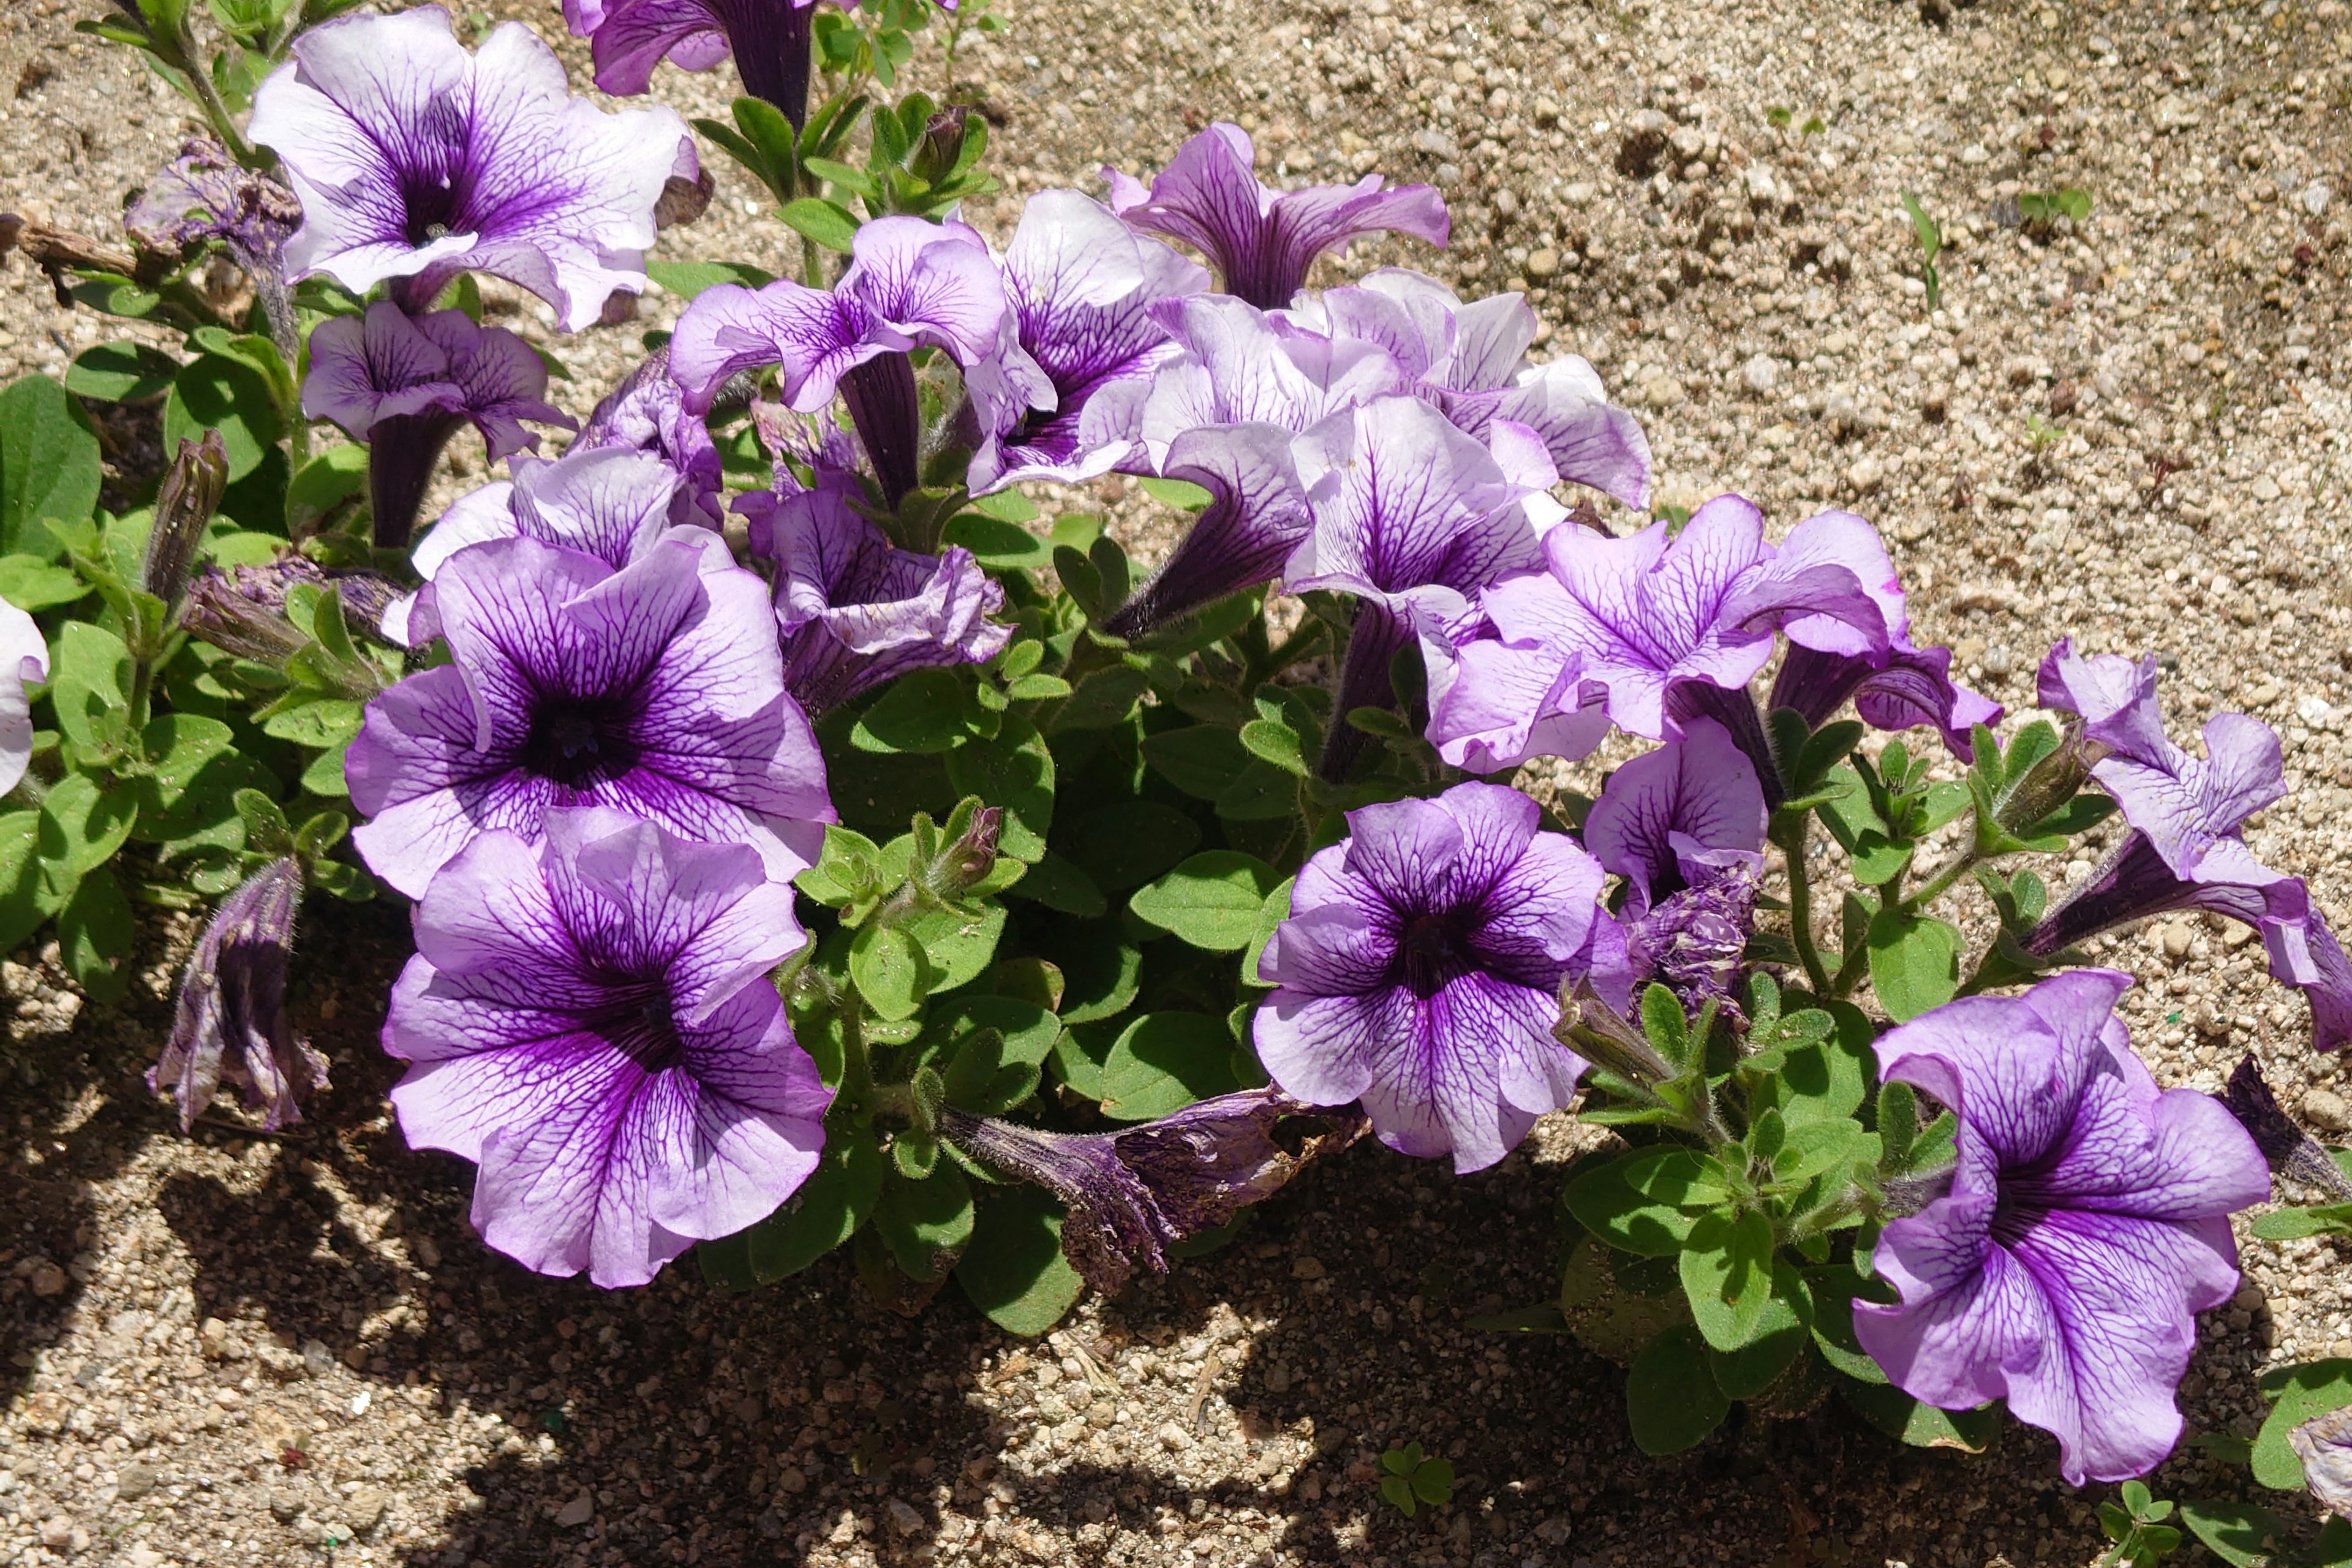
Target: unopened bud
<point x="2050" y="782"/>
<point x="230" y="1027"/>
<point x="942" y="149"/>
<point x="185" y="504"/>
<point x="1602" y="1035"/>
<point x="966" y="863"/>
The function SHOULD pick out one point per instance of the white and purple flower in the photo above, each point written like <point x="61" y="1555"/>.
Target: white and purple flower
<point x="1264" y="242"/>
<point x="647" y="412"/>
<point x="588" y="1018"/>
<point x="655" y="688"/>
<point x="415" y="161"/>
<point x="24" y="661"/>
<point x="1420" y="968"/>
<point x="2086" y="1223"/>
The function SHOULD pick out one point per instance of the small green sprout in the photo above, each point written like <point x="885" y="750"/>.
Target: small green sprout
<point x="2043" y="208"/>
<point x="1931" y="244"/>
<point x="2136" y="1528"/>
<point x="1779" y="115"/>
<point x="2041" y="435"/>
<point x="1408" y="1480"/>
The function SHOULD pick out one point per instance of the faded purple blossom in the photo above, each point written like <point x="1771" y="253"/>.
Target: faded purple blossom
<point x="1134" y="1193"/>
<point x="611" y="502"/>
<point x="858" y="611"/>
<point x="647" y="412"/>
<point x="415" y="161"/>
<point x="2086" y="1223"/>
<point x="406" y="384"/>
<point x="589" y="1019"/>
<point x="1471" y="361"/>
<point x="204" y="195"/>
<point x="1263" y="242"/>
<point x="656" y="688"/>
<point x="2186" y="850"/>
<point x="1636" y="615"/>
<point x="24" y="661"/>
<point x="1419" y="972"/>
<point x="2324" y="1444"/>
<point x="243" y="608"/>
<point x="2291" y="1152"/>
<point x="229" y="1025"/>
<point x="1062" y="395"/>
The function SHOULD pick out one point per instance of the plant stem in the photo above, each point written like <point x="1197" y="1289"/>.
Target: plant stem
<point x="1942" y="878"/>
<point x="223" y="123"/>
<point x="1789" y="837"/>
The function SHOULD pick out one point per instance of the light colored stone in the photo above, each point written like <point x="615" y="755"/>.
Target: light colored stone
<point x="1762" y="374"/>
<point x="1866" y="475"/>
<point x="578" y="1511"/>
<point x="2327" y="1108"/>
<point x="1307" y="1268"/>
<point x="1542" y="263"/>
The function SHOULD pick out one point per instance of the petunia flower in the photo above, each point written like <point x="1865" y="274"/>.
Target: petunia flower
<point x="24" y="661"/>
<point x="1420" y="968"/>
<point x="1902" y="690"/>
<point x="909" y="283"/>
<point x="1061" y="397"/>
<point x="647" y="412"/>
<point x="229" y="1023"/>
<point x="1470" y="360"/>
<point x="406" y="384"/>
<point x="2290" y="1151"/>
<point x="2086" y="1223"/>
<point x="1412" y="517"/>
<point x="1263" y="242"/>
<point x="1133" y="1193"/>
<point x="655" y="688"/>
<point x="1671" y="815"/>
<point x="1640" y="613"/>
<point x="206" y="195"/>
<point x="589" y="1019"/>
<point x="858" y="611"/>
<point x="2185" y="850"/>
<point x="611" y="502"/>
<point x="1255" y="517"/>
<point x="415" y="161"/>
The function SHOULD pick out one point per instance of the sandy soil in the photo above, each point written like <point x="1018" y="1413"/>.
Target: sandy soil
<point x="231" y="1349"/>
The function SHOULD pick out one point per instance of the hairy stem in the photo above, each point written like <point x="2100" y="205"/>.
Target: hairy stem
<point x="1789" y="837"/>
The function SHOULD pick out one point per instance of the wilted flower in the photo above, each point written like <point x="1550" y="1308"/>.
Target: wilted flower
<point x="656" y="689"/>
<point x="858" y="611"/>
<point x="230" y="1024"/>
<point x="416" y="161"/>
<point x="590" y="1020"/>
<point x="1671" y="815"/>
<point x="23" y="660"/>
<point x="1263" y="242"/>
<point x="1419" y="972"/>
<point x="910" y="282"/>
<point x="2185" y="850"/>
<point x="1135" y="1193"/>
<point x="609" y="503"/>
<point x="243" y="609"/>
<point x="647" y="412"/>
<point x="1062" y="395"/>
<point x="2086" y="1223"/>
<point x="2324" y="1444"/>
<point x="406" y="384"/>
<point x="2291" y="1152"/>
<point x="186" y="500"/>
<point x="206" y="195"/>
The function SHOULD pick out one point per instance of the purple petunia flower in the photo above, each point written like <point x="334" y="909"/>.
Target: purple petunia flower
<point x="589" y="1019"/>
<point x="1671" y="815"/>
<point x="1413" y="518"/>
<point x="406" y="384"/>
<point x="655" y="688"/>
<point x="647" y="412"/>
<point x="1420" y="970"/>
<point x="1255" y="517"/>
<point x="1635" y="615"/>
<point x="2185" y="850"/>
<point x="1263" y="242"/>
<point x="1134" y="1193"/>
<point x="1905" y="687"/>
<point x="858" y="611"/>
<point x="24" y="661"/>
<point x="1061" y="397"/>
<point x="611" y="502"/>
<point x="2086" y="1221"/>
<point x="206" y="195"/>
<point x="1471" y="361"/>
<point x="415" y="161"/>
<point x="229" y="1023"/>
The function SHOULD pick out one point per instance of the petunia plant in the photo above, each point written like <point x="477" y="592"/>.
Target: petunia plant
<point x="821" y="833"/>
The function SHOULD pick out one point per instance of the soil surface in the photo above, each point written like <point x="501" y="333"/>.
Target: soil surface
<point x="245" y="1351"/>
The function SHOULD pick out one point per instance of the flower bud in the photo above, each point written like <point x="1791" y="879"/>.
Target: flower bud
<point x="185" y="504"/>
<point x="2050" y="782"/>
<point x="1602" y="1035"/>
<point x="230" y="1025"/>
<point x="966" y="863"/>
<point x="936" y="156"/>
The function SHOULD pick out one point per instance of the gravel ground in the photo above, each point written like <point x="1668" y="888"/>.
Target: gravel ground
<point x="237" y="1350"/>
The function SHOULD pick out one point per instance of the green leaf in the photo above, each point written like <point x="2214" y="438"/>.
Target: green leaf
<point x="2241" y="1535"/>
<point x="83" y="822"/>
<point x="2294" y="1224"/>
<point x="1647" y="1202"/>
<point x="890" y="971"/>
<point x="956" y="946"/>
<point x="1817" y="1148"/>
<point x="1433" y="1482"/>
<point x="94" y="936"/>
<point x="688" y="279"/>
<point x="824" y="222"/>
<point x="1913" y="963"/>
<point x="1837" y="1287"/>
<point x="926" y="1223"/>
<point x="328" y="722"/>
<point x="26" y="899"/>
<point x="2298" y="1393"/>
<point x="89" y="686"/>
<point x="922" y="710"/>
<point x="1906" y="1420"/>
<point x="1103" y="700"/>
<point x="1671" y="1395"/>
<point x="1179" y="493"/>
<point x="1100" y="973"/>
<point x="1015" y="1272"/>
<point x="1727" y="1269"/>
<point x="1014" y="769"/>
<point x="1270" y="916"/>
<point x="179" y="747"/>
<point x="1162" y="1062"/>
<point x="123" y="372"/>
<point x="1273" y="741"/>
<point x="1057" y="884"/>
<point x="1780" y="1338"/>
<point x="1212" y="900"/>
<point x="1129" y="842"/>
<point x="1263" y="793"/>
<point x="1201" y="760"/>
<point x="49" y="465"/>
<point x="998" y="545"/>
<point x="324" y="483"/>
<point x="32" y="585"/>
<point x="217" y="393"/>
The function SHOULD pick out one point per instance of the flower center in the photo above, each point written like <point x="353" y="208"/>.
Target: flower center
<point x="432" y="182"/>
<point x="646" y="1033"/>
<point x="580" y="741"/>
<point x="1433" y="951"/>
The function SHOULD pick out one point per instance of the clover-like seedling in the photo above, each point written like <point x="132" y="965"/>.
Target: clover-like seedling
<point x="2135" y="1526"/>
<point x="1930" y="235"/>
<point x="1408" y="1479"/>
